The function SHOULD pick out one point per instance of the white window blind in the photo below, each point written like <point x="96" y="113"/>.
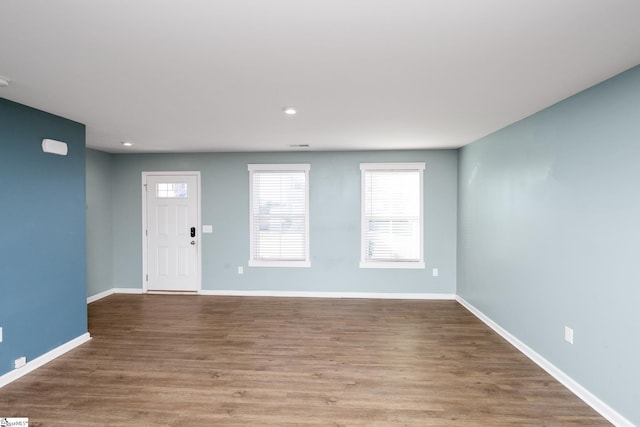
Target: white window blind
<point x="279" y="215"/>
<point x="392" y="215"/>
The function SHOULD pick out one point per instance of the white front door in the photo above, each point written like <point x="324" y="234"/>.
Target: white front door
<point x="172" y="234"/>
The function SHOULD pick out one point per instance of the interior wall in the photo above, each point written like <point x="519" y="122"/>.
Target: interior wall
<point x="99" y="222"/>
<point x="334" y="222"/>
<point x="42" y="223"/>
<point x="549" y="235"/>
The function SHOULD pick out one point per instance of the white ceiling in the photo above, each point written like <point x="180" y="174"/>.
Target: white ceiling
<point x="214" y="75"/>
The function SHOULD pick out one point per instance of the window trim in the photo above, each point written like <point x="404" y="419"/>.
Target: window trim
<point x="409" y="166"/>
<point x="293" y="167"/>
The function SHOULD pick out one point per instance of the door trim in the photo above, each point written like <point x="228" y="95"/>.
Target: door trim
<point x="146" y="174"/>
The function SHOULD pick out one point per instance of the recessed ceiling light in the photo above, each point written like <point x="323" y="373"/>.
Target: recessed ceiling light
<point x="127" y="144"/>
<point x="290" y="111"/>
<point x="4" y="82"/>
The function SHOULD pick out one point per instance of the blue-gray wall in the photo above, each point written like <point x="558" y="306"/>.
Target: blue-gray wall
<point x="99" y="222"/>
<point x="42" y="234"/>
<point x="334" y="222"/>
<point x="549" y="235"/>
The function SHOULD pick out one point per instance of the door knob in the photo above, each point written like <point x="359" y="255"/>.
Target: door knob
<point x="193" y="242"/>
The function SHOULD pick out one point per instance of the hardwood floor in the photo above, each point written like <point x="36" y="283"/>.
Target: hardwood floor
<point x="158" y="360"/>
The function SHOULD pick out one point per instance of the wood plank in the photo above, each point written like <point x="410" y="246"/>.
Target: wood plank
<point x="236" y="361"/>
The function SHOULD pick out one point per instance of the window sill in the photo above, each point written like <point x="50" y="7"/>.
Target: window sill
<point x="391" y="264"/>
<point x="287" y="264"/>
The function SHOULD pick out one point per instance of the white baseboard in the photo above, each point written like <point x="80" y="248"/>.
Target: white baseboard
<point x="283" y="294"/>
<point x="127" y="291"/>
<point x="96" y="297"/>
<point x="302" y="294"/>
<point x="589" y="398"/>
<point x="100" y="295"/>
<point x="172" y="292"/>
<point x="41" y="360"/>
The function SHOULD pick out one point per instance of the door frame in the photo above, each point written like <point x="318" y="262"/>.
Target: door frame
<point x="143" y="188"/>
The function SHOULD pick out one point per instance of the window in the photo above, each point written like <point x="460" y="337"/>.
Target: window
<point x="171" y="190"/>
<point x="392" y="215"/>
<point x="279" y="218"/>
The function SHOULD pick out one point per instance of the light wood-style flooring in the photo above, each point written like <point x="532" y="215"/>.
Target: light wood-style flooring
<point x="158" y="360"/>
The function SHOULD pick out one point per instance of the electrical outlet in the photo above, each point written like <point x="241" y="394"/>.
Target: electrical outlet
<point x="240" y="269"/>
<point x="435" y="272"/>
<point x="20" y="362"/>
<point x="568" y="334"/>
